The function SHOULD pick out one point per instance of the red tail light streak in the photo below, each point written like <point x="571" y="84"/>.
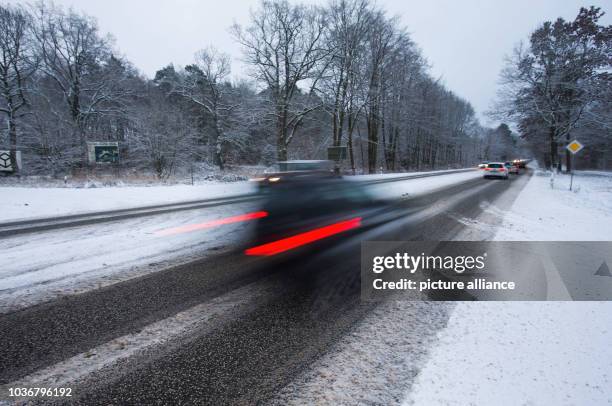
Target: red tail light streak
<point x="213" y="223"/>
<point x="286" y="244"/>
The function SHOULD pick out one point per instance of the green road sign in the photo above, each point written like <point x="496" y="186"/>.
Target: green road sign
<point x="336" y="153"/>
<point x="103" y="152"/>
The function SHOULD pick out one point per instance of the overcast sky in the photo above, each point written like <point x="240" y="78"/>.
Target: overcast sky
<point x="464" y="41"/>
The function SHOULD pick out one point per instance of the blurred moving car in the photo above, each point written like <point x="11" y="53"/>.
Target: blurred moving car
<point x="295" y="171"/>
<point x="483" y="165"/>
<point x="495" y="170"/>
<point x="303" y="213"/>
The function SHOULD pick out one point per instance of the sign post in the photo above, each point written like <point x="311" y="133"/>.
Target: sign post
<point x="574" y="147"/>
<point x="336" y="154"/>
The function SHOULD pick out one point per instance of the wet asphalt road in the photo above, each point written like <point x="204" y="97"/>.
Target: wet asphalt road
<point x="244" y="361"/>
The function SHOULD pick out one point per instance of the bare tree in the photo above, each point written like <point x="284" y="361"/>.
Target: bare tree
<point x="203" y="84"/>
<point x="349" y="24"/>
<point x="284" y="46"/>
<point x="16" y="66"/>
<point x="342" y="74"/>
<point x="381" y="41"/>
<point x="161" y="137"/>
<point x="78" y="62"/>
<point x="548" y="86"/>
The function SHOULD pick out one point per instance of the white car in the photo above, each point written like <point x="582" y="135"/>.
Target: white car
<point x="495" y="170"/>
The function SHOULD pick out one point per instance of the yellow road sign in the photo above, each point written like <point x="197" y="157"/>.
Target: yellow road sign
<point x="574" y="147"/>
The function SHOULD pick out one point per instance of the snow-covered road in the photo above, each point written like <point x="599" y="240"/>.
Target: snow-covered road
<point x="41" y="266"/>
<point x="45" y="265"/>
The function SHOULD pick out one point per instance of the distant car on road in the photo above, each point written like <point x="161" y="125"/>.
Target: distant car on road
<point x="495" y="170"/>
<point x="483" y="165"/>
<point x="521" y="163"/>
<point x="513" y="169"/>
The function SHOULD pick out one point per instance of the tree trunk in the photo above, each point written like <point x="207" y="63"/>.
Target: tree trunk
<point x="281" y="133"/>
<point x="553" y="149"/>
<point x="218" y="158"/>
<point x="372" y="142"/>
<point x="13" y="142"/>
<point x="281" y="153"/>
<point x="350" y="143"/>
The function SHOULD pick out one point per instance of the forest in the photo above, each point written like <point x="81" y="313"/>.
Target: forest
<point x="341" y="75"/>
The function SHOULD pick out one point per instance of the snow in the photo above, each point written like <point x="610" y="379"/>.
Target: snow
<point x="499" y="353"/>
<point x="42" y="266"/>
<point x="542" y="213"/>
<point x="399" y="175"/>
<point x="25" y="203"/>
<point x="420" y="186"/>
<point x="593" y="173"/>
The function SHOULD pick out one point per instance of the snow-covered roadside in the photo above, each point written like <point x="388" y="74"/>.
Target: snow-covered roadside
<point x="23" y="203"/>
<point x="542" y="213"/>
<point x="400" y="175"/>
<point x="419" y="186"/>
<point x="538" y="353"/>
<point x="38" y="202"/>
<point x="518" y="353"/>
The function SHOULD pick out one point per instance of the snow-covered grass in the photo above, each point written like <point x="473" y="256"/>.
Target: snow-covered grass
<point x="419" y="186"/>
<point x="531" y="353"/>
<point x="545" y="213"/>
<point x="23" y="203"/>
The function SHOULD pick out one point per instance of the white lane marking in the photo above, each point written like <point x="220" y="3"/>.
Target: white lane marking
<point x="75" y="369"/>
<point x="555" y="288"/>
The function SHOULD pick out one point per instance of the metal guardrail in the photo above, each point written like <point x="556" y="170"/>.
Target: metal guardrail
<point x="417" y="175"/>
<point x="12" y="228"/>
<point x="44" y="224"/>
